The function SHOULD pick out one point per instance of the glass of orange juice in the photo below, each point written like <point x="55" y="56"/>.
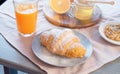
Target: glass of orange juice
<point x="26" y="16"/>
<point x="83" y="9"/>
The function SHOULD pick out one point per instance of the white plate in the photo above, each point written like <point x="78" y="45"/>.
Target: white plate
<point x="44" y="55"/>
<point x="101" y="31"/>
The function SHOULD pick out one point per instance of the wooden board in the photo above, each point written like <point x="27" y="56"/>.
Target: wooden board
<point x="68" y="20"/>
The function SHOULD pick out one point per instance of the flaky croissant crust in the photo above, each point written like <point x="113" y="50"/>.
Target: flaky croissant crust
<point x="62" y="42"/>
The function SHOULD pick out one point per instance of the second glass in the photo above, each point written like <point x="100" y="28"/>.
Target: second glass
<point x="83" y="10"/>
<point x="26" y="16"/>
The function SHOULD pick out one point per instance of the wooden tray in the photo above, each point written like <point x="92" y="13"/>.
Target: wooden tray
<point x="68" y="20"/>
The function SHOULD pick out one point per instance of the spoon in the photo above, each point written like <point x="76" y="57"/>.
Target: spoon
<point x="86" y="2"/>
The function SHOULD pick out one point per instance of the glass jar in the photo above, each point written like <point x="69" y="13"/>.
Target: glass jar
<point x="83" y="10"/>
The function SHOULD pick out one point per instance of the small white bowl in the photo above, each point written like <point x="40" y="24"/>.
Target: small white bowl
<point x="102" y="28"/>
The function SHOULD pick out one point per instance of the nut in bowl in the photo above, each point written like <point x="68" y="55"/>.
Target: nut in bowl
<point x="110" y="31"/>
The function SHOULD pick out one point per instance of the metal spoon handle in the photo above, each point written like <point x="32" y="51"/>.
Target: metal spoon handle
<point x="111" y="2"/>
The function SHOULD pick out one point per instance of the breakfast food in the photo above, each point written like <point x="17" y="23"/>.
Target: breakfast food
<point x="60" y="6"/>
<point x="62" y="42"/>
<point x="113" y="32"/>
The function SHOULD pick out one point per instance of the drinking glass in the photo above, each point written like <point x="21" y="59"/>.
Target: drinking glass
<point x="83" y="10"/>
<point x="26" y="16"/>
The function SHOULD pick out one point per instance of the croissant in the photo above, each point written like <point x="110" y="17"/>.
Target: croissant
<point x="62" y="42"/>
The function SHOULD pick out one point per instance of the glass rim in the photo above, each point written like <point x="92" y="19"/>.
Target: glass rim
<point x="80" y="3"/>
<point x="25" y="1"/>
<point x="77" y="2"/>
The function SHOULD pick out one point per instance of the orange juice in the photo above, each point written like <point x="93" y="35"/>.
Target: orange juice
<point x="26" y="17"/>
